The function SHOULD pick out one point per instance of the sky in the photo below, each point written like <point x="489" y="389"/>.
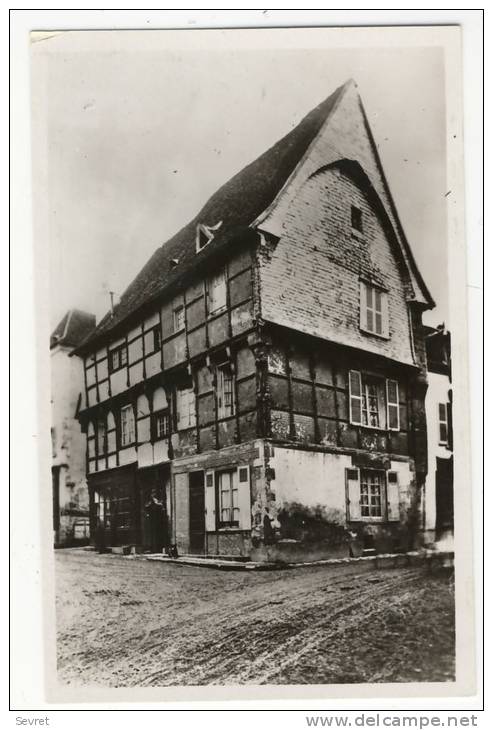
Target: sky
<point x="139" y="134"/>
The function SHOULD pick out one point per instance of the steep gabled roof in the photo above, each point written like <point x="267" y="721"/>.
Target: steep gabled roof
<point x="73" y="329"/>
<point x="237" y="203"/>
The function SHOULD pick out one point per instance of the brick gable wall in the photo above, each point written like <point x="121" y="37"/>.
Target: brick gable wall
<point x="310" y="278"/>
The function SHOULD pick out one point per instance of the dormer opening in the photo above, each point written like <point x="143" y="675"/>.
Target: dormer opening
<point x="205" y="234"/>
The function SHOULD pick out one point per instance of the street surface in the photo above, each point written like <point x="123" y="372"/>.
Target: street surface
<point x="130" y="622"/>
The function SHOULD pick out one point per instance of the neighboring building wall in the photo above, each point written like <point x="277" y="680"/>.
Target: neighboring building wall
<point x="439" y="448"/>
<point x="69" y="449"/>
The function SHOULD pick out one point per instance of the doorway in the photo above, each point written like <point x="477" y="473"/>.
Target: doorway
<point x="444" y="476"/>
<point x="197" y="513"/>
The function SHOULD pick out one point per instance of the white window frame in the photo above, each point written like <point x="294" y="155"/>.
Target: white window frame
<point x="186" y="416"/>
<point x="363" y="477"/>
<point x="127" y="421"/>
<point x="215" y="283"/>
<point x="374" y="310"/>
<point x="233" y="505"/>
<point x="224" y="411"/>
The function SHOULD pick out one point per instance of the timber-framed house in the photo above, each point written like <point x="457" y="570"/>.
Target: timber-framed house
<point x="264" y="375"/>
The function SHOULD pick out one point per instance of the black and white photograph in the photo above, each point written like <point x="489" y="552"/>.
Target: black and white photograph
<point x="249" y="260"/>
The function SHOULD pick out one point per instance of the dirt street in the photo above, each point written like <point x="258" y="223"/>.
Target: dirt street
<point x="131" y="622"/>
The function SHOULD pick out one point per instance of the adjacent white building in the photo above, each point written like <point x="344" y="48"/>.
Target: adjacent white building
<point x="438" y="498"/>
<point x="68" y="468"/>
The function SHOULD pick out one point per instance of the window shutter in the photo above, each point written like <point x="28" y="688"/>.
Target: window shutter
<point x="450" y="441"/>
<point x="362" y="305"/>
<point x="355" y="399"/>
<point x="393" y="405"/>
<point x="385" y="314"/>
<point x="353" y="494"/>
<point x="393" y="497"/>
<point x="210" y="502"/>
<point x="244" y="501"/>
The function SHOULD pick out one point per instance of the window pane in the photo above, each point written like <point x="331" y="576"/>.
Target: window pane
<point x="372" y="405"/>
<point x="369" y="319"/>
<point x="371" y="494"/>
<point x="369" y="296"/>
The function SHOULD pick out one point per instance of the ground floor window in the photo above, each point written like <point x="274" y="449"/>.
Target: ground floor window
<point x="371" y="493"/>
<point x="228" y="499"/>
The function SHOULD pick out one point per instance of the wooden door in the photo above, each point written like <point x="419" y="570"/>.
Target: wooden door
<point x="444" y="494"/>
<point x="197" y="513"/>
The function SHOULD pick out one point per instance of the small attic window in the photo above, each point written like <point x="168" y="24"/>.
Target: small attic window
<point x="205" y="234"/>
<point x="356" y="219"/>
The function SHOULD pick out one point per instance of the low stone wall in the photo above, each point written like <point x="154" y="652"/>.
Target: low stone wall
<point x="294" y="551"/>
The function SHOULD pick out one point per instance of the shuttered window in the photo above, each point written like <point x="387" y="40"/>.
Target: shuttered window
<point x="372" y="495"/>
<point x="443" y="423"/>
<point x="228" y="492"/>
<point x="373" y="310"/>
<point x="373" y="402"/>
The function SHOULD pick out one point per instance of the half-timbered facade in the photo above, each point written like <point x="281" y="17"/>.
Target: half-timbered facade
<point x="262" y="380"/>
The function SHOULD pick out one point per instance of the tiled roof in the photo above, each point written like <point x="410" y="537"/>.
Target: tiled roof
<point x="73" y="328"/>
<point x="237" y="204"/>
